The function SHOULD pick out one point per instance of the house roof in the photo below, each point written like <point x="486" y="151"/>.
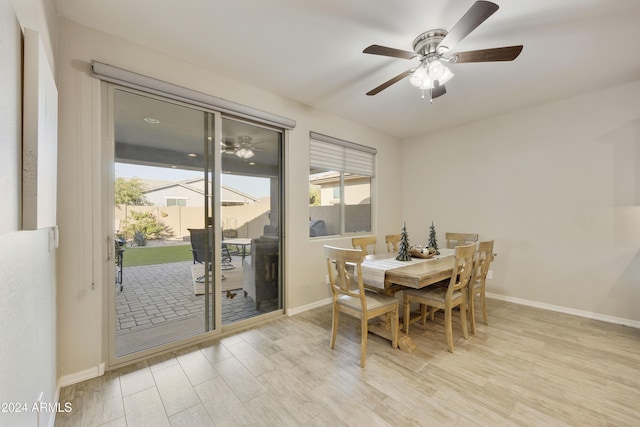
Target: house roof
<point x="228" y="194"/>
<point x="330" y="177"/>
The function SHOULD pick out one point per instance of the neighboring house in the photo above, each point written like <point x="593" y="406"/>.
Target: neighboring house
<point x="357" y="201"/>
<point x="190" y="193"/>
<point x="179" y="206"/>
<point x="357" y="188"/>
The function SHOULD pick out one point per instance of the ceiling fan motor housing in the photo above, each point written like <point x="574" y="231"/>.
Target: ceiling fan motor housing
<point x="426" y="44"/>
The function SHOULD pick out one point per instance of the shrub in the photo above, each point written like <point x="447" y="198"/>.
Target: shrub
<point x="139" y="238"/>
<point x="143" y="226"/>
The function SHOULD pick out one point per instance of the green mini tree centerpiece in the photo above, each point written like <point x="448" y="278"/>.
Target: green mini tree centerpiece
<point x="433" y="241"/>
<point x="403" y="246"/>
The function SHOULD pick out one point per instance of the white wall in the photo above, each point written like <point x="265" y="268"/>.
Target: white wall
<point x="81" y="326"/>
<point x="556" y="186"/>
<point x="28" y="294"/>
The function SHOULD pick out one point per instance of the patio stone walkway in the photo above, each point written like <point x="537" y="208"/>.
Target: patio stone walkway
<point x="154" y="294"/>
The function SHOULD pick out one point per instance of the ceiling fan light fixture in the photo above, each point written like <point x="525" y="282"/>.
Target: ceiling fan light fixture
<point x="418" y="76"/>
<point x="438" y="71"/>
<point x="435" y="48"/>
<point x="245" y="153"/>
<point x="435" y="69"/>
<point x="427" y="83"/>
<point x="448" y="74"/>
<point x="420" y="79"/>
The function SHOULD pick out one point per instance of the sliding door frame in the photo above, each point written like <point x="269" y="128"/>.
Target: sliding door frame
<point x="212" y="208"/>
<point x="104" y="186"/>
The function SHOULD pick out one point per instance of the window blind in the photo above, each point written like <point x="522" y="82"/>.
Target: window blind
<point x="330" y="153"/>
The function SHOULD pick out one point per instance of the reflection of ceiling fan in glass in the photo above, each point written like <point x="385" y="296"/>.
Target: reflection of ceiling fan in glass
<point x="242" y="147"/>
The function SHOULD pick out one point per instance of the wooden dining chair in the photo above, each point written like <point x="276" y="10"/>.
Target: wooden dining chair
<point x="445" y="297"/>
<point x="484" y="256"/>
<point x="363" y="242"/>
<point x="458" y="239"/>
<point x="392" y="241"/>
<point x="350" y="296"/>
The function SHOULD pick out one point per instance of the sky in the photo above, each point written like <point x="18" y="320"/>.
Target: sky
<point x="253" y="186"/>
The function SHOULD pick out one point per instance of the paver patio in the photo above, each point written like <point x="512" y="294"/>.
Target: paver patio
<point x="159" y="295"/>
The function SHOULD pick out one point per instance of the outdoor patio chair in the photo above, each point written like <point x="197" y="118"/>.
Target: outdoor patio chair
<point x="119" y="250"/>
<point x="198" y="248"/>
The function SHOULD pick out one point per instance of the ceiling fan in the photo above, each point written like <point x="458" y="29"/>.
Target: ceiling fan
<point x="242" y="147"/>
<point x="433" y="48"/>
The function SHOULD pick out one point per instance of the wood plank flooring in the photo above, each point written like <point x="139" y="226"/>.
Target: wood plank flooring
<point x="528" y="367"/>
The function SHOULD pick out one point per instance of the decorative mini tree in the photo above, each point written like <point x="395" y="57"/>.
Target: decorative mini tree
<point x="433" y="241"/>
<point x="403" y="246"/>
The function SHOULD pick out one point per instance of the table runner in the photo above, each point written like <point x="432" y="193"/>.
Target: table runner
<point x="373" y="271"/>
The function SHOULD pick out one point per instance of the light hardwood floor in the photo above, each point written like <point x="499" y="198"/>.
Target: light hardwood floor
<point x="528" y="367"/>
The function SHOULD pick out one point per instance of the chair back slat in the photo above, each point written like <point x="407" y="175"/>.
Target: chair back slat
<point x="345" y="271"/>
<point x="462" y="269"/>
<point x="392" y="241"/>
<point x="458" y="239"/>
<point x="364" y="243"/>
<point x="483" y="260"/>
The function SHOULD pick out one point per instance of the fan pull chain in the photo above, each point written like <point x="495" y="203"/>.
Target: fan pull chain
<point x="430" y="95"/>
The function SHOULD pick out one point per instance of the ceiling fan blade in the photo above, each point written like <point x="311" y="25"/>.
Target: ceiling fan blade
<point x="476" y="15"/>
<point x="389" y="82"/>
<point x="437" y="91"/>
<point x="508" y="53"/>
<point x="376" y="49"/>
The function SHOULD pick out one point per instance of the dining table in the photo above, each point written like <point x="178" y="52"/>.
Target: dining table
<point x="383" y="273"/>
<point x="241" y="243"/>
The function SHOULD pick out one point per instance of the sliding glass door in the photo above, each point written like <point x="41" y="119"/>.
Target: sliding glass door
<point x="195" y="223"/>
<point x="250" y="209"/>
<point x="164" y="213"/>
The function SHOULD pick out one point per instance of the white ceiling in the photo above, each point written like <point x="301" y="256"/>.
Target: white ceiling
<point x="311" y="51"/>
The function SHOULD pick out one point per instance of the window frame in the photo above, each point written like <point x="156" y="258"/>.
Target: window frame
<point x="183" y="199"/>
<point x="343" y="158"/>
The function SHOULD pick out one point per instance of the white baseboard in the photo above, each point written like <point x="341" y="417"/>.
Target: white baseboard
<point x="302" y="309"/>
<point x="77" y="377"/>
<point x="72" y="379"/>
<point x="566" y="310"/>
<point x="536" y="304"/>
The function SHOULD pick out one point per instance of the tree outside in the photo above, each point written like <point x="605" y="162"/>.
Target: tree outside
<point x="140" y="225"/>
<point x="314" y="195"/>
<point x="130" y="191"/>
